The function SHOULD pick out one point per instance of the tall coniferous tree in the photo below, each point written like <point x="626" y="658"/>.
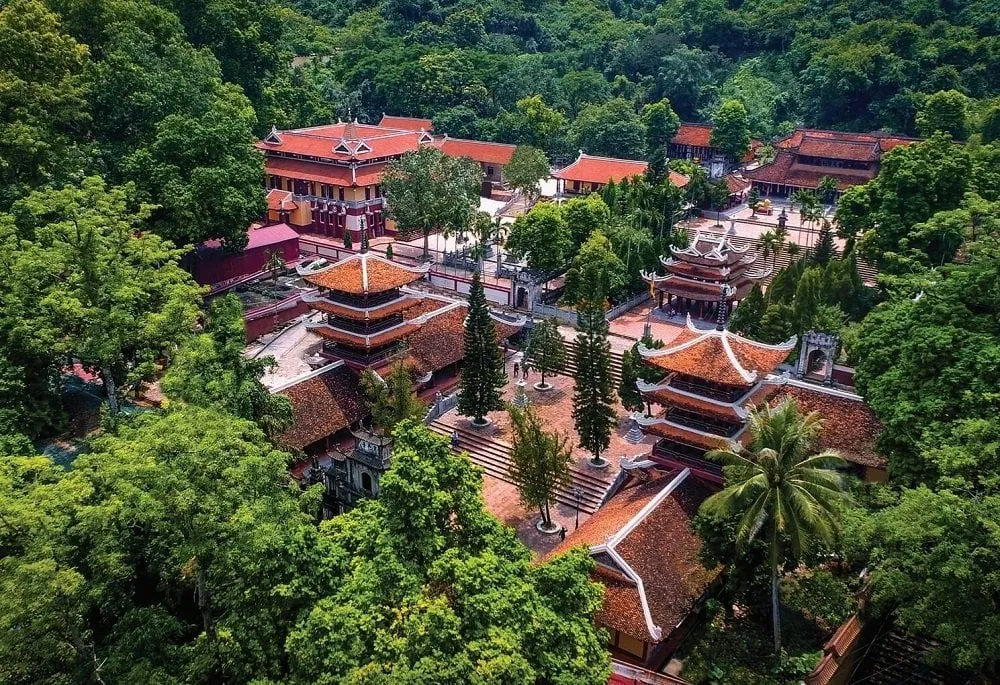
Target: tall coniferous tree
<point x="482" y="368"/>
<point x="825" y="249"/>
<point x="593" y="396"/>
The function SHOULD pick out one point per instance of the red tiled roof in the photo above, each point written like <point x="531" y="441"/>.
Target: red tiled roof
<point x="485" y="153"/>
<point x="686" y="436"/>
<point x="695" y="135"/>
<point x="321" y="141"/>
<point x="360" y="340"/>
<point x="306" y="170"/>
<point x="736" y="184"/>
<point x="849" y="425"/>
<point x="784" y="170"/>
<point x="835" y="148"/>
<point x="718" y="356"/>
<point x="321" y="406"/>
<point x="591" y="169"/>
<point x="278" y="199"/>
<point x="439" y="342"/>
<point x="661" y="548"/>
<point x="678" y="179"/>
<point x="669" y="397"/>
<point x="363" y="273"/>
<point x="378" y="312"/>
<point x="406" y="123"/>
<point x="886" y="141"/>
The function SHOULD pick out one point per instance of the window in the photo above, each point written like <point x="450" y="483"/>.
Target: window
<point x="629" y="644"/>
<point x="366" y="482"/>
<point x="368" y="192"/>
<point x="340" y="194"/>
<point x="576" y="186"/>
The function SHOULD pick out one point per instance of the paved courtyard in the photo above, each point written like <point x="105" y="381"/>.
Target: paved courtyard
<point x="555" y="408"/>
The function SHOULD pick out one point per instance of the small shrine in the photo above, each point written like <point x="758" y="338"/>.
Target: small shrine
<point x="363" y="304"/>
<point x="711" y="379"/>
<point x="696" y="275"/>
<point x="356" y="473"/>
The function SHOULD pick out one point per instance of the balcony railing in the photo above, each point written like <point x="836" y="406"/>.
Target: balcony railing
<point x="370" y="327"/>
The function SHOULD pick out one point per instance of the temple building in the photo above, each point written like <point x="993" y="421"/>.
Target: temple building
<point x="711" y="378"/>
<point x="693" y="142"/>
<point x="700" y="275"/>
<point x="355" y="473"/>
<point x="808" y="155"/>
<point x="325" y="179"/>
<point x="646" y="558"/>
<point x="589" y="173"/>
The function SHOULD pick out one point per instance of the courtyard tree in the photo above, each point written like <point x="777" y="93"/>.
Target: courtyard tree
<point x="392" y="399"/>
<point x="546" y="351"/>
<point x="748" y="313"/>
<point x="779" y="487"/>
<point x="827" y="189"/>
<point x="83" y="283"/>
<point x="483" y="374"/>
<point x="428" y="191"/>
<point x="210" y="370"/>
<point x="825" y="249"/>
<point x="541" y="237"/>
<point x="596" y="271"/>
<point x="731" y="129"/>
<point x="539" y="463"/>
<point x="525" y="171"/>
<point x="584" y="215"/>
<point x="593" y="395"/>
<point x="627" y="390"/>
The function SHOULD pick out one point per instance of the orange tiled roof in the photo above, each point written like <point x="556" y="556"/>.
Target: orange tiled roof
<point x="278" y="199"/>
<point x="321" y="406"/>
<point x="592" y="169"/>
<point x="736" y="184"/>
<point x="649" y="527"/>
<point x="439" y="342"/>
<point x="485" y="153"/>
<point x="886" y="141"/>
<point x="839" y="148"/>
<point x="379" y="312"/>
<point x="718" y="356"/>
<point x="361" y="141"/>
<point x="352" y="339"/>
<point x="306" y="170"/>
<point x="849" y="425"/>
<point x="406" y="123"/>
<point x="363" y="273"/>
<point x="694" y="135"/>
<point x="785" y="171"/>
<point x="686" y="436"/>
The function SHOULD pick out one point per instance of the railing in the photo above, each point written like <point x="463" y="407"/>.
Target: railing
<point x="348" y="354"/>
<point x="620" y="309"/>
<point x="369" y="327"/>
<point x="695" y="463"/>
<point x="546" y="311"/>
<point x="442" y="405"/>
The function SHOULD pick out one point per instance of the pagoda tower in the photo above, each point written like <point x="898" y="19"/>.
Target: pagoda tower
<point x="696" y="273"/>
<point x="712" y="378"/>
<point x="363" y="303"/>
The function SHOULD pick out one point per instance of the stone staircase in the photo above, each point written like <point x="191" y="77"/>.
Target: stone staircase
<point x="569" y="367"/>
<point x="494" y="457"/>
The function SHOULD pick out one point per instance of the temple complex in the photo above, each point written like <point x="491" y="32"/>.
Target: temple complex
<point x="808" y="155"/>
<point x="693" y="142"/>
<point x="706" y="272"/>
<point x="325" y="179"/>
<point x="711" y="377"/>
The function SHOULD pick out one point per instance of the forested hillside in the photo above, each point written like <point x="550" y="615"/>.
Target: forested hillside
<point x="853" y="64"/>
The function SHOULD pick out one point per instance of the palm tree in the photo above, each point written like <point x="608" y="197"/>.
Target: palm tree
<point x="768" y="242"/>
<point x="778" y="485"/>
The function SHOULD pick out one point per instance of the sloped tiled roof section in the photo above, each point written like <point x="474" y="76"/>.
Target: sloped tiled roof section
<point x="849" y="425"/>
<point x="322" y="405"/>
<point x="363" y="273"/>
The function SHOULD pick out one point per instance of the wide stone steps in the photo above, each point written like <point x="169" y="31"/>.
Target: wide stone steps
<point x="494" y="457"/>
<point x="569" y="366"/>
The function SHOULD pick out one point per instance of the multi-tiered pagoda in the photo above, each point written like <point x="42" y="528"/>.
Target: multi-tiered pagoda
<point x="697" y="274"/>
<point x="712" y="378"/>
<point x="364" y="303"/>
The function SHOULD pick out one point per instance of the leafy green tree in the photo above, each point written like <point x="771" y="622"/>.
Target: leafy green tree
<point x="718" y="198"/>
<point x="944" y="111"/>
<point x="435" y="589"/>
<point x="746" y="318"/>
<point x="527" y="167"/>
<point x="584" y="215"/>
<point x="174" y="550"/>
<point x="596" y="270"/>
<point x="542" y="237"/>
<point x="924" y="361"/>
<point x="990" y="127"/>
<point x="532" y="122"/>
<point x="731" y="129"/>
<point x="539" y="463"/>
<point x="582" y="88"/>
<point x="392" y="400"/>
<point x="202" y="173"/>
<point x="661" y="123"/>
<point x="753" y="199"/>
<point x="43" y="100"/>
<point x="593" y="395"/>
<point x="85" y="284"/>
<point x="546" y="351"/>
<point x="210" y="370"/>
<point x="610" y="129"/>
<point x="779" y="486"/>
<point x="427" y="191"/>
<point x="827" y="189"/>
<point x="483" y="374"/>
